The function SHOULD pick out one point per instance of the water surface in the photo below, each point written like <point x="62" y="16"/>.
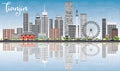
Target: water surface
<point x="59" y="56"/>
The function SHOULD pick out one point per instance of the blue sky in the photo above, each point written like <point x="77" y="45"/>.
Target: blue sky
<point x="95" y="9"/>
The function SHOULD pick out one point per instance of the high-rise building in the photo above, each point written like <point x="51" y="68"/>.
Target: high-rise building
<point x="19" y="30"/>
<point x="30" y="26"/>
<point x="8" y="33"/>
<point x="50" y="23"/>
<point x="68" y="16"/>
<point x="103" y="28"/>
<point x="38" y="22"/>
<point x="25" y="22"/>
<point x="51" y="29"/>
<point x="54" y="33"/>
<point x="35" y="29"/>
<point x="45" y="22"/>
<point x="59" y="25"/>
<point x="72" y="29"/>
<point x="110" y="26"/>
<point x="77" y="26"/>
<point x="83" y="20"/>
<point x="114" y="32"/>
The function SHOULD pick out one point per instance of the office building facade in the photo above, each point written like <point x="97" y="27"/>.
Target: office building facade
<point x="114" y="32"/>
<point x="30" y="26"/>
<point x="103" y="28"/>
<point x="59" y="25"/>
<point x="38" y="22"/>
<point x="68" y="16"/>
<point x="35" y="29"/>
<point x="19" y="30"/>
<point x="45" y="22"/>
<point x="72" y="30"/>
<point x="51" y="29"/>
<point x="25" y="22"/>
<point x="51" y="25"/>
<point x="8" y="33"/>
<point x="110" y="26"/>
<point x="83" y="21"/>
<point x="54" y="33"/>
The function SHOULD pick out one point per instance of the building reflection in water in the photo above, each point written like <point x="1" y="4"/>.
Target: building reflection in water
<point x="67" y="51"/>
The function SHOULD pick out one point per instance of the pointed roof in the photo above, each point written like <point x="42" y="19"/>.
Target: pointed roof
<point x="44" y="12"/>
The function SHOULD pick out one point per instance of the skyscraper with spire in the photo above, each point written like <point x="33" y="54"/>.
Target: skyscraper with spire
<point x="77" y="26"/>
<point x="45" y="22"/>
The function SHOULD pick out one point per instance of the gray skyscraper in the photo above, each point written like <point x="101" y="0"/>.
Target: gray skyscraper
<point x="38" y="22"/>
<point x="51" y="23"/>
<point x="19" y="30"/>
<point x="35" y="29"/>
<point x="30" y="26"/>
<point x="25" y="22"/>
<point x="103" y="28"/>
<point x="72" y="30"/>
<point x="59" y="25"/>
<point x="45" y="22"/>
<point x="83" y="20"/>
<point x="68" y="16"/>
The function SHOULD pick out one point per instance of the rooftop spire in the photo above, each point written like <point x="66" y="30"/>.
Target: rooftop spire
<point x="44" y="12"/>
<point x="44" y="8"/>
<point x="77" y="10"/>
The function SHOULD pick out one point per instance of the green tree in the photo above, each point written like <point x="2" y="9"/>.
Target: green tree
<point x="78" y="38"/>
<point x="60" y="38"/>
<point x="97" y="39"/>
<point x="40" y="38"/>
<point x="116" y="38"/>
<point x="48" y="38"/>
<point x="36" y="38"/>
<point x="104" y="39"/>
<point x="107" y="38"/>
<point x="0" y="38"/>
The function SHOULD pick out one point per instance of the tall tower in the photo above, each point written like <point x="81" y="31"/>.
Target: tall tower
<point x="59" y="25"/>
<point x="25" y="22"/>
<point x="51" y="29"/>
<point x="83" y="20"/>
<point x="50" y="23"/>
<point x="68" y="16"/>
<point x="103" y="28"/>
<point x="45" y="22"/>
<point x="38" y="22"/>
<point x="77" y="26"/>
